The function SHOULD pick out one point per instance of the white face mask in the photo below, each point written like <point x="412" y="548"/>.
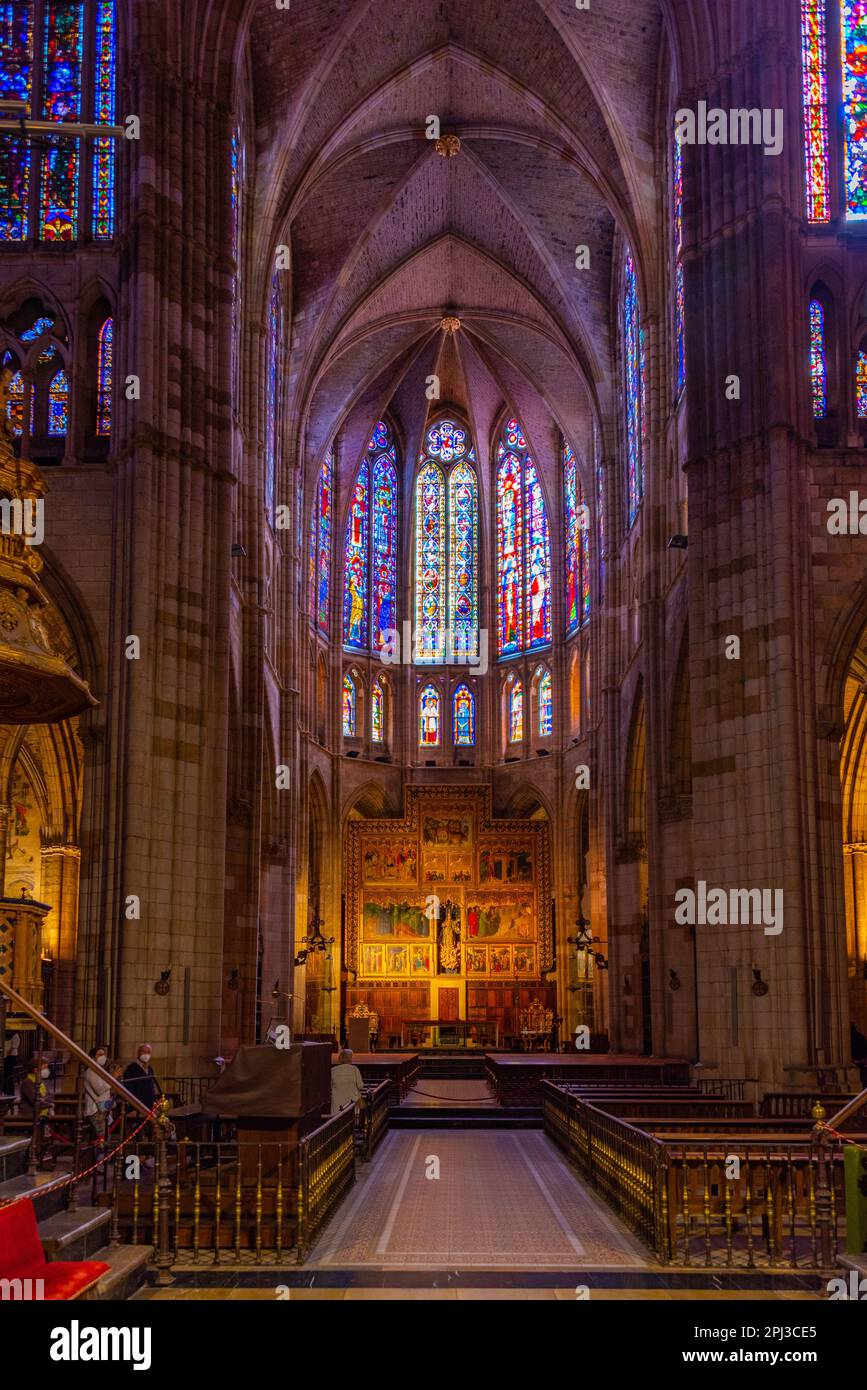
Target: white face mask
<point x="101" y="1059"/>
<point x="145" y="1058"/>
<point x="45" y="1073"/>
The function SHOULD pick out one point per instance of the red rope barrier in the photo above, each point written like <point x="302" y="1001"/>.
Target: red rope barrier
<point x="80" y="1177"/>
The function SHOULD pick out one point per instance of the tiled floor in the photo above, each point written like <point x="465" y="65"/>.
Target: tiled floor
<point x="471" y="1199"/>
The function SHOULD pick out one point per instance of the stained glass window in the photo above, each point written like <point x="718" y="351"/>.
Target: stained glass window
<point x="853" y="36"/>
<point x="321" y="522"/>
<point x="523" y="548"/>
<point x="538" y="561"/>
<point x="356" y="550"/>
<point x="272" y="396"/>
<point x="350" y="699"/>
<point x="447" y="540"/>
<point x="429" y="717"/>
<point x="577" y="539"/>
<point x="463" y="560"/>
<point x="634" y="388"/>
<point x="861" y="384"/>
<point x="16" y="81"/>
<point x="814" y="88"/>
<point x="679" y="305"/>
<point x="36" y="330"/>
<point x="545" y="703"/>
<point x="104" y="114"/>
<point x="510" y="554"/>
<point x="377" y="712"/>
<point x="446" y="441"/>
<point x="515" y="710"/>
<point x="63" y="54"/>
<point x="104" y="378"/>
<point x="72" y="43"/>
<point x="15" y="404"/>
<point x="58" y="405"/>
<point x="430" y="581"/>
<point x="384" y="540"/>
<point x="818" y="373"/>
<point x="464" y="721"/>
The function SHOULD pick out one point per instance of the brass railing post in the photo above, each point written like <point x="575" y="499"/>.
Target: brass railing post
<point x="823" y="1191"/>
<point x="163" y="1260"/>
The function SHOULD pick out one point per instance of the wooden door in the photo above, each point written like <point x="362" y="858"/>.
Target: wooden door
<point x="449" y="1005"/>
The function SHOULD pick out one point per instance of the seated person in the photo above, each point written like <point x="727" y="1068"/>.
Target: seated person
<point x="346" y="1083"/>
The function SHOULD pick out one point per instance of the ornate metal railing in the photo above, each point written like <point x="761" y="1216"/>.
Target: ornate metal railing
<point x="745" y="1202"/>
<point x="325" y="1169"/>
<point x="374" y="1118"/>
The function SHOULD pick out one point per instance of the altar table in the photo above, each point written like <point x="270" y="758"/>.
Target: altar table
<point x="456" y="1025"/>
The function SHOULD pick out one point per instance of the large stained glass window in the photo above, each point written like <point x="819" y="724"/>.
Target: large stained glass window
<point x="59" y="56"/>
<point x="356" y="554"/>
<point x="814" y="87"/>
<point x="429" y="717"/>
<point x="577" y="542"/>
<point x="272" y="395"/>
<point x="818" y="371"/>
<point x="523" y="548"/>
<point x="853" y="43"/>
<point x="463" y="559"/>
<point x="349" y="706"/>
<point x="545" y="703"/>
<point x="384" y="546"/>
<point x="510" y="555"/>
<point x="447" y="547"/>
<point x="464" y="717"/>
<point x="514" y="710"/>
<point x="861" y="384"/>
<point x="370" y="548"/>
<point x="679" y="298"/>
<point x="321" y="523"/>
<point x="377" y="711"/>
<point x="104" y="378"/>
<point x="634" y="389"/>
<point x="538" y="561"/>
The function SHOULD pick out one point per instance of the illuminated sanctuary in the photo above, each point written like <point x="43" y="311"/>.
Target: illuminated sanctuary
<point x="415" y="572"/>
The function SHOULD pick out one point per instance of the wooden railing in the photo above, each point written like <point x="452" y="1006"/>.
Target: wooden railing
<point x="746" y="1202"/>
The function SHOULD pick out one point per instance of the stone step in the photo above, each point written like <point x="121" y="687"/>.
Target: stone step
<point x="13" y="1155"/>
<point x="45" y="1204"/>
<point x="75" y="1235"/>
<point x="129" y="1265"/>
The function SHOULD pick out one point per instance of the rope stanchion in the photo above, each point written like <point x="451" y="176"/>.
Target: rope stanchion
<point x="80" y="1177"/>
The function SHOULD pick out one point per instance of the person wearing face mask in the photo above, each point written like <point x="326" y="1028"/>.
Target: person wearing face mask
<point x="35" y="1093"/>
<point x="97" y="1097"/>
<point x="140" y="1080"/>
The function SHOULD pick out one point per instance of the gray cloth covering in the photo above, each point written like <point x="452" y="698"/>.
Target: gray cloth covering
<point x="273" y="1082"/>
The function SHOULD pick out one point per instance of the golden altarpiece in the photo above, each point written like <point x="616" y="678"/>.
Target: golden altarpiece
<point x="448" y="919"/>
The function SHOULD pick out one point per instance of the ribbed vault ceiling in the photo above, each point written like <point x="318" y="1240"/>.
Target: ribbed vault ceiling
<point x="555" y="109"/>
